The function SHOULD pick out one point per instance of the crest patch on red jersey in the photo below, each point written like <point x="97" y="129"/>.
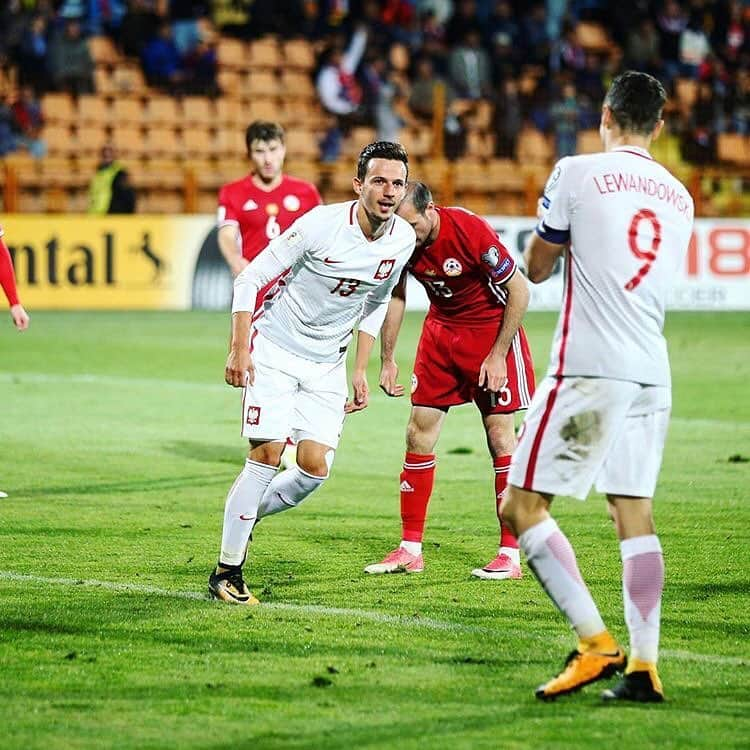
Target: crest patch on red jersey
<point x="253" y="415"/>
<point x="385" y="268"/>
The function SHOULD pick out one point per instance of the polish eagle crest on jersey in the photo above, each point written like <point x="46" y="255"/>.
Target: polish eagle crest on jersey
<point x="253" y="415"/>
<point x="385" y="268"/>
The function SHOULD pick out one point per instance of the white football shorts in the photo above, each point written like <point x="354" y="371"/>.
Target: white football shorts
<point x="580" y="431"/>
<point x="293" y="397"/>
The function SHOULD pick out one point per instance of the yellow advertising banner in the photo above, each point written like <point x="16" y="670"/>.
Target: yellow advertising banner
<point x="106" y="263"/>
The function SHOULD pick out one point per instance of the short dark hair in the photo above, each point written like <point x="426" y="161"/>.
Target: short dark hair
<point x="419" y="195"/>
<point x="381" y="150"/>
<point x="636" y="101"/>
<point x="263" y="130"/>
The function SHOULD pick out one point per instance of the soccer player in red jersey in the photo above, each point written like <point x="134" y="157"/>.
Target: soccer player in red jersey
<point x="260" y="206"/>
<point x="8" y="283"/>
<point x="472" y="348"/>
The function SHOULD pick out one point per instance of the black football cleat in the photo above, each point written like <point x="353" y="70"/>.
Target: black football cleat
<point x="639" y="687"/>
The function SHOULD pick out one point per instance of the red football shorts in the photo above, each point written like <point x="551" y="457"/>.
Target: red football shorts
<point x="446" y="369"/>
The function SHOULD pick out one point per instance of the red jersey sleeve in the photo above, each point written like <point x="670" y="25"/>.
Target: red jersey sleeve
<point x="493" y="256"/>
<point x="7" y="277"/>
<point x="227" y="213"/>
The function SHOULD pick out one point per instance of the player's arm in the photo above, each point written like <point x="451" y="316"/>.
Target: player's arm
<point x="394" y="317"/>
<point x="552" y="234"/>
<point x="8" y="282"/>
<point x="540" y="256"/>
<point x="493" y="372"/>
<point x="360" y="388"/>
<point x="229" y="246"/>
<point x="282" y="253"/>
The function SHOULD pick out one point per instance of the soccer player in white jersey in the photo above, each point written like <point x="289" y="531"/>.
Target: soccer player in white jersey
<point x="345" y="260"/>
<point x="623" y="224"/>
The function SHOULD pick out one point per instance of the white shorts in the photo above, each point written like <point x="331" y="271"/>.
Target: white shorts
<point x="581" y="431"/>
<point x="293" y="397"/>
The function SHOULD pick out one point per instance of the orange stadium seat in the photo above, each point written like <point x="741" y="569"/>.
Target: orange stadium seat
<point x="163" y="141"/>
<point x="127" y="111"/>
<point x="533" y="147"/>
<point x="58" y="108"/>
<point x="231" y="53"/>
<point x="302" y="144"/>
<point x="733" y="148"/>
<point x="207" y="175"/>
<point x="156" y="173"/>
<point x="199" y="141"/>
<point x="90" y="139"/>
<point x="103" y="51"/>
<point x="686" y="91"/>
<point x="128" y="140"/>
<point x="59" y="139"/>
<point x="161" y="202"/>
<point x="299" y="54"/>
<point x="304" y="169"/>
<point x="262" y="82"/>
<point x="228" y="111"/>
<point x="230" y="142"/>
<point x="265" y="53"/>
<point x="479" y="144"/>
<point x="198" y="110"/>
<point x="128" y="78"/>
<point x="296" y="84"/>
<point x="162" y="110"/>
<point x="93" y="110"/>
<point x="230" y="82"/>
<point x="434" y="173"/>
<point x="589" y="142"/>
<point x="262" y="108"/>
<point x="104" y="82"/>
<point x="592" y="36"/>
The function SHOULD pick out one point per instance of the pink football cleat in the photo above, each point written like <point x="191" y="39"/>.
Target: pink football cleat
<point x="398" y="561"/>
<point x="499" y="569"/>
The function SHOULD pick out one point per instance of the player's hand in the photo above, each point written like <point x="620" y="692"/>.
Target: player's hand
<point x="540" y="208"/>
<point x="239" y="370"/>
<point x="493" y="373"/>
<point x="388" y="377"/>
<point x="361" y="394"/>
<point x="20" y="317"/>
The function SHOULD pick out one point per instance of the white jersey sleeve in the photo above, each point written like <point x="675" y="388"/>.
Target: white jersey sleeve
<point x="281" y="253"/>
<point x="557" y="199"/>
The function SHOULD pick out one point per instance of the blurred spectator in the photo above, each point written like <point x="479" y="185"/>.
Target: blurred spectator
<point x="508" y="118"/>
<point x="694" y="46"/>
<point x="591" y="89"/>
<point x="28" y="121"/>
<point x="162" y="64"/>
<point x="141" y="23"/>
<point x="184" y="15"/>
<point x="339" y="91"/>
<point x="463" y="20"/>
<point x="572" y="54"/>
<point x="32" y="55"/>
<point x="537" y="50"/>
<point x="670" y="22"/>
<point x="740" y="102"/>
<point x="201" y="67"/>
<point x="469" y="68"/>
<point x="699" y="145"/>
<point x="440" y="10"/>
<point x="422" y="94"/>
<point x="503" y="39"/>
<point x="110" y="191"/>
<point x="733" y="36"/>
<point x="642" y="48"/>
<point x="386" y="95"/>
<point x="70" y="63"/>
<point x="565" y="117"/>
<point x="7" y="136"/>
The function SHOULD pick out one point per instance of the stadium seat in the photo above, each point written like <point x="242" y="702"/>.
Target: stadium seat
<point x="103" y="51"/>
<point x="265" y="53"/>
<point x="229" y="111"/>
<point x="92" y="110"/>
<point x="230" y="82"/>
<point x="163" y="141"/>
<point x="262" y="108"/>
<point x="299" y="54"/>
<point x="231" y="53"/>
<point x="261" y="83"/>
<point x="162" y="110"/>
<point x="416" y="141"/>
<point x="128" y="140"/>
<point x="161" y="202"/>
<point x="126" y="111"/>
<point x="104" y="82"/>
<point x="230" y="142"/>
<point x="733" y="148"/>
<point x="302" y="144"/>
<point x="296" y="84"/>
<point x="479" y="144"/>
<point x="199" y="141"/>
<point x="198" y="110"/>
<point x="90" y="139"/>
<point x="128" y="78"/>
<point x="686" y="92"/>
<point x="59" y="140"/>
<point x="58" y="108"/>
<point x="592" y="36"/>
<point x="589" y="142"/>
<point x="533" y="147"/>
<point x="358" y="138"/>
<point x="304" y="169"/>
<point x="156" y="174"/>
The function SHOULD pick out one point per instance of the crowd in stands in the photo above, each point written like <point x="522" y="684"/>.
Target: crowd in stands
<point x="523" y="64"/>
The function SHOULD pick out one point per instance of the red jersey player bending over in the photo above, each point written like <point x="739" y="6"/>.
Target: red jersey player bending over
<point x="472" y="348"/>
<point x="259" y="207"/>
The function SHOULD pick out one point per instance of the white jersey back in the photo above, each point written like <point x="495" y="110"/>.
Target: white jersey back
<point x="629" y="223"/>
<point x="338" y="280"/>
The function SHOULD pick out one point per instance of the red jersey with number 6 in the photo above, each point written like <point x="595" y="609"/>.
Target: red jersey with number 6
<point x="262" y="215"/>
<point x="464" y="270"/>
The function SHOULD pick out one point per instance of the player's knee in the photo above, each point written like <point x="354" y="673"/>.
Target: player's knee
<point x="314" y="467"/>
<point x="266" y="453"/>
<point x="418" y="440"/>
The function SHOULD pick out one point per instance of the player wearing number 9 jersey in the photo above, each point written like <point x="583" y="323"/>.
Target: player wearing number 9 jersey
<point x="623" y="224"/>
<point x="472" y="348"/>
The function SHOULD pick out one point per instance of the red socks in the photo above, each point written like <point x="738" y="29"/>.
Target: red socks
<point x="417" y="480"/>
<point x="502" y="466"/>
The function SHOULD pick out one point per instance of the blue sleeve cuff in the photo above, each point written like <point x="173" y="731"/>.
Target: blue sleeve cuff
<point x="555" y="236"/>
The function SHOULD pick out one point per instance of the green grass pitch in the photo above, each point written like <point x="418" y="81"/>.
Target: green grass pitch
<point x="119" y="442"/>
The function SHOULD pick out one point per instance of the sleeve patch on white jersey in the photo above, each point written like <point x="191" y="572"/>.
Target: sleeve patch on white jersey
<point x="550" y="234"/>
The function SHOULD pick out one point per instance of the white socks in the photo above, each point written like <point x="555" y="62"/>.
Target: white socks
<point x="642" y="585"/>
<point x="287" y="490"/>
<point x="553" y="562"/>
<point x="241" y="510"/>
<point x="413" y="548"/>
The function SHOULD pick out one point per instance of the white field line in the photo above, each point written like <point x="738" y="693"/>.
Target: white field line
<point x="318" y="609"/>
